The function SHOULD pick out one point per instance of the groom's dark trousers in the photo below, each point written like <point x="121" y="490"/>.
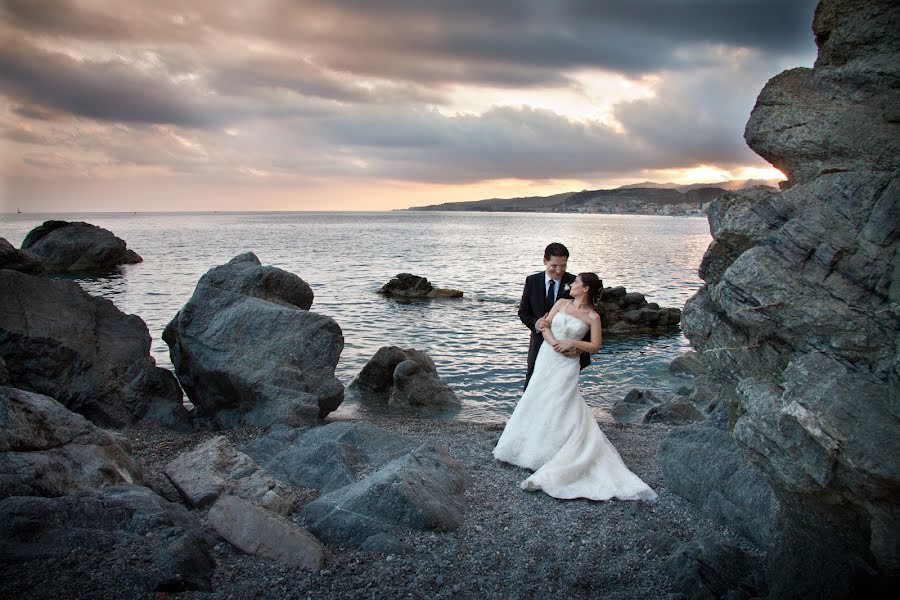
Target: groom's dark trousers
<point x="533" y="306"/>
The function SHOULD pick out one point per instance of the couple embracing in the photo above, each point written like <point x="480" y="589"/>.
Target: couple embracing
<point x="552" y="430"/>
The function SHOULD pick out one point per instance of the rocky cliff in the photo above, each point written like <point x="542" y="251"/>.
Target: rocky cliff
<point x="797" y="325"/>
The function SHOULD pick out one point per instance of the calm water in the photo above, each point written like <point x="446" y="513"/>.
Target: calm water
<point x="478" y="343"/>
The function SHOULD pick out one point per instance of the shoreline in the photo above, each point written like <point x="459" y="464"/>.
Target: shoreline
<point x="512" y="543"/>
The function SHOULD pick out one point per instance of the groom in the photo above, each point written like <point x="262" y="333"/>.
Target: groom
<point x="541" y="292"/>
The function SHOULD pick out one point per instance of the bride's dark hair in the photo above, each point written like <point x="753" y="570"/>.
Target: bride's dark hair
<point x="593" y="284"/>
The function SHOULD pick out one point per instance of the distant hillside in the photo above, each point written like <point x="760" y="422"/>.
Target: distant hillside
<point x="631" y="199"/>
<point x="732" y="185"/>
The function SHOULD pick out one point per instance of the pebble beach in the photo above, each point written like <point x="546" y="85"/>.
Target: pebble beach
<point x="513" y="544"/>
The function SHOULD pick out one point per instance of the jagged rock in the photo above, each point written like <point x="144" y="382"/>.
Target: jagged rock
<point x="148" y="542"/>
<point x="330" y="456"/>
<point x="677" y="410"/>
<point x="247" y="350"/>
<point x="19" y="260"/>
<point x="706" y="569"/>
<point x="422" y="490"/>
<point x="260" y="532"/>
<point x="629" y="312"/>
<point x="633" y="408"/>
<point x="797" y="325"/>
<point x="215" y="468"/>
<point x="59" y="341"/>
<point x="407" y="285"/>
<point x="77" y="247"/>
<point x="4" y="372"/>
<point x="687" y="364"/>
<point x="402" y="378"/>
<point x="703" y="465"/>
<point x="47" y="450"/>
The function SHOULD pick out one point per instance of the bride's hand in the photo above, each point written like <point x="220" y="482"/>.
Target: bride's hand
<point x="563" y="345"/>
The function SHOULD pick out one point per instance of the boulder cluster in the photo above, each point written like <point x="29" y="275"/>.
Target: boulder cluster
<point x="248" y="351"/>
<point x="796" y="327"/>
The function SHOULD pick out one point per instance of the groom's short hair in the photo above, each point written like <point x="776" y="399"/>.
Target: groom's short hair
<point x="555" y="249"/>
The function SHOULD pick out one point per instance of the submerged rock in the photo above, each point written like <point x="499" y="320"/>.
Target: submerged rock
<point x="64" y="246"/>
<point x="407" y="285"/>
<point x="797" y="325"/>
<point x="248" y="351"/>
<point x="47" y="450"/>
<point x="60" y="341"/>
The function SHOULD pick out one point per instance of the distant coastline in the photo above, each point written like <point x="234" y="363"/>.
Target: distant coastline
<point x="637" y="199"/>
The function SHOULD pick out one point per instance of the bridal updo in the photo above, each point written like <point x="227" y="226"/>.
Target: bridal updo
<point x="593" y="284"/>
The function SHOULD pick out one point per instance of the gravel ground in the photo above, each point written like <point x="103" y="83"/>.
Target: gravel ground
<point x="514" y="544"/>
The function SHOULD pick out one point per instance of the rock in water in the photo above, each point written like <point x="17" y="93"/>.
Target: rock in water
<point x="247" y="350"/>
<point x="19" y="260"/>
<point x="59" y="341"/>
<point x="47" y="450"/>
<point x="797" y="325"/>
<point x="407" y="285"/>
<point x="77" y="247"/>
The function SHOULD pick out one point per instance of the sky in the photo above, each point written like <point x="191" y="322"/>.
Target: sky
<point x="292" y="105"/>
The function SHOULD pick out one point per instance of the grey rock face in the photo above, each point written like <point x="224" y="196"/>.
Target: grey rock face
<point x="59" y="341"/>
<point x="421" y="490"/>
<point x="246" y="350"/>
<point x="409" y="286"/>
<point x="402" y="378"/>
<point x="704" y="569"/>
<point x="77" y="247"/>
<point x="260" y="532"/>
<point x="47" y="450"/>
<point x="215" y="468"/>
<point x="168" y="550"/>
<point x="703" y="464"/>
<point x="19" y="260"/>
<point x="797" y="325"/>
<point x="330" y="456"/>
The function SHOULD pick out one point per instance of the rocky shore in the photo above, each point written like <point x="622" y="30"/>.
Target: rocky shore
<point x="512" y="544"/>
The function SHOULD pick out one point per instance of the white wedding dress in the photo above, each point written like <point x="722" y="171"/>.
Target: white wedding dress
<point x="553" y="432"/>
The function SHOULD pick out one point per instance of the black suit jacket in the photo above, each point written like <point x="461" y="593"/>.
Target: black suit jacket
<point x="531" y="308"/>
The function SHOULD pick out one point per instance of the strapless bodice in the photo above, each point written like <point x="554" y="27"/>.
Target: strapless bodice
<point x="567" y="327"/>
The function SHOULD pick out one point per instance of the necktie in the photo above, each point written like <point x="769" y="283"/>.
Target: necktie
<point x="551" y="295"/>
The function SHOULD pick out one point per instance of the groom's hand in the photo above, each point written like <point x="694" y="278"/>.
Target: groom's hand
<point x="542" y="322"/>
<point x="571" y="352"/>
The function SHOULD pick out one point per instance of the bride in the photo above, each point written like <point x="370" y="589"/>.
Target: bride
<point x="552" y="431"/>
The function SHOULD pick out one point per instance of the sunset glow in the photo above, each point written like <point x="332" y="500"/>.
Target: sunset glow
<point x="311" y="105"/>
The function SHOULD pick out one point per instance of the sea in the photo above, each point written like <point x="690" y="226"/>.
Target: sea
<point x="477" y="342"/>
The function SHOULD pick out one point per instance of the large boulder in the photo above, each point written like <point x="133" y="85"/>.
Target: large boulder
<point x="797" y="325"/>
<point x="60" y="341"/>
<point x="257" y="531"/>
<point x="409" y="286"/>
<point x="703" y="464"/>
<point x="247" y="349"/>
<point x="47" y="450"/>
<point x="422" y="490"/>
<point x="148" y="543"/>
<point x="706" y="569"/>
<point x="216" y="467"/>
<point x="330" y="456"/>
<point x="67" y="247"/>
<point x="19" y="260"/>
<point x="402" y="378"/>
